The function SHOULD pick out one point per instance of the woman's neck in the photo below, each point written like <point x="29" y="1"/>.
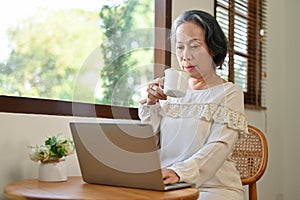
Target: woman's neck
<point x="202" y="83"/>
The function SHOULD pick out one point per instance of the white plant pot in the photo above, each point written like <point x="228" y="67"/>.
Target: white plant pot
<point x="53" y="171"/>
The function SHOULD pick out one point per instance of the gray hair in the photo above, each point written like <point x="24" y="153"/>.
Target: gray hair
<point x="214" y="35"/>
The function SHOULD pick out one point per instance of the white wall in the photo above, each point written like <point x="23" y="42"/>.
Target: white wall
<point x="291" y="96"/>
<point x="272" y="184"/>
<point x="179" y="6"/>
<point x="279" y="121"/>
<point x="17" y="132"/>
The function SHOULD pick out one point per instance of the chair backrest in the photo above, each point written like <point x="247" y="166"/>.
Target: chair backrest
<point x="251" y="156"/>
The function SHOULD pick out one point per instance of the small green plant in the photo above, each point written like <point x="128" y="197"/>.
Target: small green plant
<point x="54" y="149"/>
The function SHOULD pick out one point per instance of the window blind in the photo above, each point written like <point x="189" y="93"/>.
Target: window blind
<point x="244" y="24"/>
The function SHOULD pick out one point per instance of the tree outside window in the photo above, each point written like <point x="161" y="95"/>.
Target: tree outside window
<point x="81" y="55"/>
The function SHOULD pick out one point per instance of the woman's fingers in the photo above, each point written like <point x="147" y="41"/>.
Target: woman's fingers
<point x="155" y="91"/>
<point x="169" y="176"/>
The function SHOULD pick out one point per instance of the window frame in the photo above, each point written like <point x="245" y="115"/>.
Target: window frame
<point x="162" y="57"/>
<point x="253" y="98"/>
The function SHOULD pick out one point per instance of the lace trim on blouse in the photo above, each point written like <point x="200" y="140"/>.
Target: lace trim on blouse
<point x="209" y="112"/>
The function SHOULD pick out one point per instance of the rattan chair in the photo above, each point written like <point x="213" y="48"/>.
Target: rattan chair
<point x="251" y="156"/>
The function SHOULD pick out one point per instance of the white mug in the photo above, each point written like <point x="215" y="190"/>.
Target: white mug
<point x="176" y="82"/>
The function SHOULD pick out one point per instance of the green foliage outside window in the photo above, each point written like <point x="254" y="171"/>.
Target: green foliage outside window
<point x="47" y="50"/>
<point x="123" y="63"/>
<point x="50" y="48"/>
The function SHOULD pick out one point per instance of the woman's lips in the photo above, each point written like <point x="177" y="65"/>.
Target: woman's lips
<point x="189" y="68"/>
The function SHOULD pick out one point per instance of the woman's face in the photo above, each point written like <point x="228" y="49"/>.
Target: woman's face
<point x="192" y="51"/>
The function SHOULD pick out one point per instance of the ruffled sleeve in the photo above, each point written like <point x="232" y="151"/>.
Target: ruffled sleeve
<point x="227" y="125"/>
<point x="150" y="114"/>
<point x="210" y="112"/>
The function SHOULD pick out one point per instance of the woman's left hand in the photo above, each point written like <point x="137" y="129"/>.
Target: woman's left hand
<point x="170" y="176"/>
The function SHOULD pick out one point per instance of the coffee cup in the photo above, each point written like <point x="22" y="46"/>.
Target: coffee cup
<point x="176" y="82"/>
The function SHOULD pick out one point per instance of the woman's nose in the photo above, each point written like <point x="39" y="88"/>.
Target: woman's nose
<point x="186" y="54"/>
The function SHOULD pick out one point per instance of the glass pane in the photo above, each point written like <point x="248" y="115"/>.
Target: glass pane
<point x="242" y="7"/>
<point x="65" y="51"/>
<point x="240" y="34"/>
<point x="224" y="2"/>
<point x="222" y="17"/>
<point x="240" y="71"/>
<point x="224" y="72"/>
<point x="223" y="20"/>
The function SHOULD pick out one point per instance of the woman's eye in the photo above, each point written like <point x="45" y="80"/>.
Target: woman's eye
<point x="195" y="46"/>
<point x="179" y="47"/>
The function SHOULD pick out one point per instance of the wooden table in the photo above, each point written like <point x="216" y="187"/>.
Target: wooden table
<point x="74" y="188"/>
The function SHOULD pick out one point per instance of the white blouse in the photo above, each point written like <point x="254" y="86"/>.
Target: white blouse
<point x="198" y="132"/>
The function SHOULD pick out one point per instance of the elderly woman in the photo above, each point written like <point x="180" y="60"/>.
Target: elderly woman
<point x="198" y="131"/>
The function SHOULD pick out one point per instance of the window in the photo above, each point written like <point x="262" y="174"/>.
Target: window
<point x="32" y="104"/>
<point x="244" y="23"/>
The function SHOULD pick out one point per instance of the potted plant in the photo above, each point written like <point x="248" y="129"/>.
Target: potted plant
<point x="52" y="157"/>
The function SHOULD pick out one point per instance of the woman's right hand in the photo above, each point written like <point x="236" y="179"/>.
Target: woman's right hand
<point x="155" y="91"/>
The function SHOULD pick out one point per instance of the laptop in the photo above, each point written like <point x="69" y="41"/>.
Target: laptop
<point x="119" y="154"/>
